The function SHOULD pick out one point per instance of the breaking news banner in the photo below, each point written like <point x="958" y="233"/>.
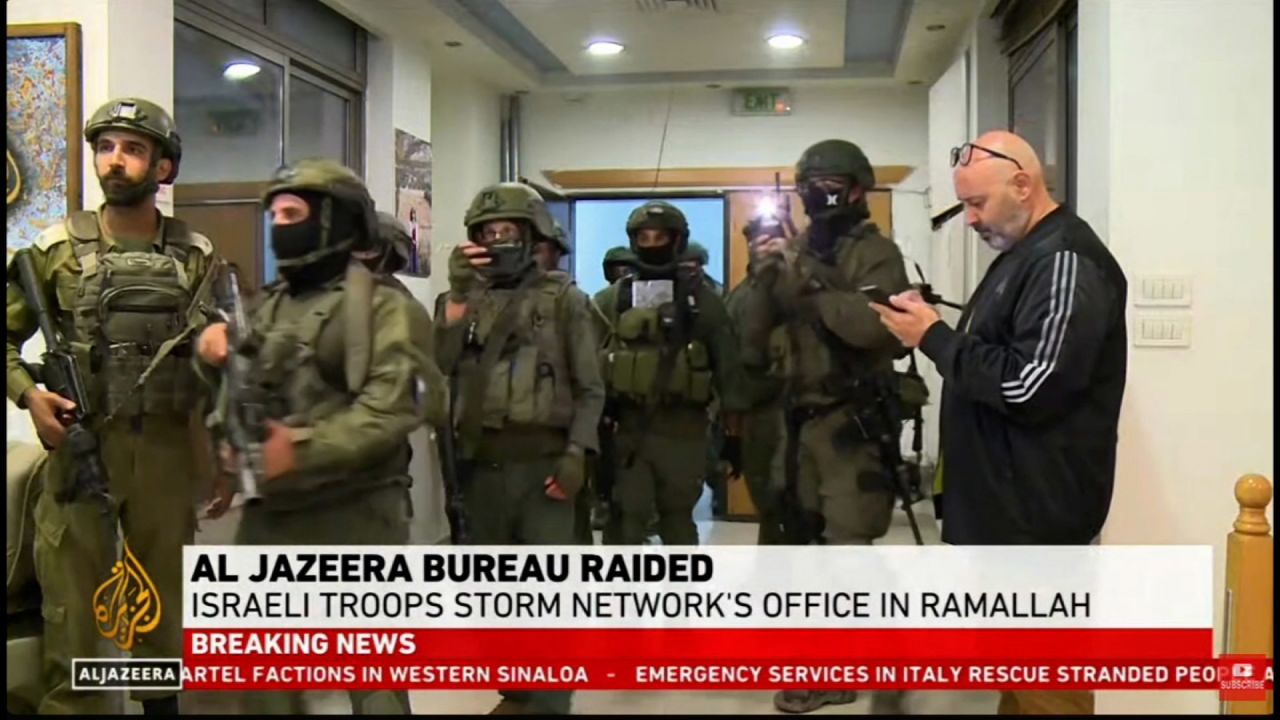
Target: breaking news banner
<point x="708" y="618"/>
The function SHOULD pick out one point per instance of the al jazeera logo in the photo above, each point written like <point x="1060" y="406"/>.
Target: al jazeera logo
<point x="127" y="607"/>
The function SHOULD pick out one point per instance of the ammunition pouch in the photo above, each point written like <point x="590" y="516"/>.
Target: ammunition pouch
<point x="631" y="371"/>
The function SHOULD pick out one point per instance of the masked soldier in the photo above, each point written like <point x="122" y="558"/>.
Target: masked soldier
<point x="814" y="328"/>
<point x="696" y="258"/>
<point x="343" y="357"/>
<point x="129" y="288"/>
<point x="761" y="426"/>
<point x="389" y="251"/>
<point x="673" y="352"/>
<point x="549" y="252"/>
<point x="618" y="261"/>
<point x="529" y="390"/>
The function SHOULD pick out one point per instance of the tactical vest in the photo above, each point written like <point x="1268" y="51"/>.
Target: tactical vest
<point x="631" y="367"/>
<point x="125" y="306"/>
<point x="530" y="383"/>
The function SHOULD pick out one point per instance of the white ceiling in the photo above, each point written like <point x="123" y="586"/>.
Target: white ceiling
<point x="681" y="38"/>
<point x="535" y="45"/>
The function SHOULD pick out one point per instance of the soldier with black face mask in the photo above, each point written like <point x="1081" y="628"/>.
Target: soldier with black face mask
<point x="812" y="328"/>
<point x="343" y="359"/>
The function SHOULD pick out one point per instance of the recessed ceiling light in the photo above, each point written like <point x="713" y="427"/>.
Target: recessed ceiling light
<point x="240" y="70"/>
<point x="785" y="41"/>
<point x="604" y="47"/>
<point x="935" y="28"/>
<point x="452" y="43"/>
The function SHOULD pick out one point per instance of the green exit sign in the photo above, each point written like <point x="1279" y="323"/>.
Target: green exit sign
<point x="762" y="101"/>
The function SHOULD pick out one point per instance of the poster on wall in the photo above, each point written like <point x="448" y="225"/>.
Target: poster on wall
<point x="43" y="146"/>
<point x="413" y="197"/>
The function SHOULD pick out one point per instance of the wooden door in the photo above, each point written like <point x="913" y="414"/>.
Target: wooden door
<point x="230" y="214"/>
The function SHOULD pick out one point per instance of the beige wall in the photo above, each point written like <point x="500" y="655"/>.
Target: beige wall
<point x="1176" y="174"/>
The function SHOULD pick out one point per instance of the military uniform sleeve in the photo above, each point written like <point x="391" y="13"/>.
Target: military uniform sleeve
<point x="448" y="338"/>
<point x="1059" y="324"/>
<point x="20" y="319"/>
<point x="578" y="321"/>
<point x="874" y="260"/>
<point x="726" y="361"/>
<point x="388" y="408"/>
<point x="757" y="316"/>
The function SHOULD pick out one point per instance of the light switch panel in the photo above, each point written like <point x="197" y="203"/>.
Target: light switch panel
<point x="1162" y="331"/>
<point x="1163" y="291"/>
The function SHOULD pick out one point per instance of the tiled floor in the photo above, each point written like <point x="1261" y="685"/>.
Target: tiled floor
<point x="617" y="702"/>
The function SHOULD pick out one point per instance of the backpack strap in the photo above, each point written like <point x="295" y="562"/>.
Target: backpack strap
<point x="357" y="310"/>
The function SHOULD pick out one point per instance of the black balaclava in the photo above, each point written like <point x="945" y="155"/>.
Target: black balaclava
<point x="831" y="215"/>
<point x="298" y="239"/>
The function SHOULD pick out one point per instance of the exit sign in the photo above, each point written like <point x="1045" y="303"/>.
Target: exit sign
<point x="761" y="101"/>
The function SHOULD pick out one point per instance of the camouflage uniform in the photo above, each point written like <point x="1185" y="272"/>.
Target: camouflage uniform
<point x="529" y="390"/>
<point x="346" y="355"/>
<point x="129" y="308"/>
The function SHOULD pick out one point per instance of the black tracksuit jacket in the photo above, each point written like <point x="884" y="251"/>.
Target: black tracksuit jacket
<point x="1032" y="384"/>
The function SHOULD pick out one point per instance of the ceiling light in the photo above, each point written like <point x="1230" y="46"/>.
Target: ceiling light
<point x="604" y="47"/>
<point x="240" y="71"/>
<point x="785" y="41"/>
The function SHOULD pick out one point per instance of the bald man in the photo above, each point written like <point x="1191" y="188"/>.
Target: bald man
<point x="1034" y="375"/>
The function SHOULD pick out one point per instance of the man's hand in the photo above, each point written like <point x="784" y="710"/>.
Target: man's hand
<point x="50" y="413"/>
<point x="571" y="473"/>
<point x="463" y="261"/>
<point x="278" y="456"/>
<point x="212" y="345"/>
<point x="910" y="317"/>
<point x="223" y="490"/>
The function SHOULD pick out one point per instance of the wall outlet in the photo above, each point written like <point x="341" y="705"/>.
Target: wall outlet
<point x="1162" y="331"/>
<point x="1163" y="291"/>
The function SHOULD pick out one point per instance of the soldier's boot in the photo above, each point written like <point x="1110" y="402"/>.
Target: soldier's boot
<point x="161" y="706"/>
<point x="805" y="701"/>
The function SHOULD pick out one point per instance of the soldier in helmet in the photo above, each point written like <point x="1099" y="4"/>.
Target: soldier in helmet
<point x="618" y="261"/>
<point x="390" y="251"/>
<point x="696" y="258"/>
<point x="673" y="352"/>
<point x="549" y="252"/>
<point x="811" y="324"/>
<point x="529" y="388"/>
<point x="98" y="268"/>
<point x="342" y="354"/>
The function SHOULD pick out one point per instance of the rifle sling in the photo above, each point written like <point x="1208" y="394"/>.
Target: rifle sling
<point x="478" y="381"/>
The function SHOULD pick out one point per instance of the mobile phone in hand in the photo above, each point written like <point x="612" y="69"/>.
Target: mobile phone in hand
<point x="878" y="296"/>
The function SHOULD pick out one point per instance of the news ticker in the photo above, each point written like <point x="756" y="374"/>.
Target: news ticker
<point x="1239" y="678"/>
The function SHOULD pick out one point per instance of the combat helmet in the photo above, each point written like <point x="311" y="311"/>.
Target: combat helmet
<point x="617" y="261"/>
<point x="696" y="253"/>
<point x="659" y="215"/>
<point x="510" y="201"/>
<point x="395" y="242"/>
<point x="835" y="158"/>
<point x="338" y="183"/>
<point x="143" y="117"/>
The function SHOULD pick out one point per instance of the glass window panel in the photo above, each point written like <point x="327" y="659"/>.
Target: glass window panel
<point x="309" y="23"/>
<point x="602" y="224"/>
<point x="256" y="9"/>
<point x="1036" y="113"/>
<point x="317" y="122"/>
<point x="231" y="129"/>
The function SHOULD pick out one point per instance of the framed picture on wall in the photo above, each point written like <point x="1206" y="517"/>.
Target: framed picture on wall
<point x="43" y="144"/>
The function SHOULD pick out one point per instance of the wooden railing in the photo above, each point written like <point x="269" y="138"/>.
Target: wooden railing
<point x="1249" y="613"/>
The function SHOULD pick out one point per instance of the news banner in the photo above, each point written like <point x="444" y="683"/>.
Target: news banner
<point x="706" y="618"/>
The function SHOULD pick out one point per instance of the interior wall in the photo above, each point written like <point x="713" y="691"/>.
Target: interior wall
<point x="1156" y="75"/>
<point x="465" y="121"/>
<point x="624" y="128"/>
